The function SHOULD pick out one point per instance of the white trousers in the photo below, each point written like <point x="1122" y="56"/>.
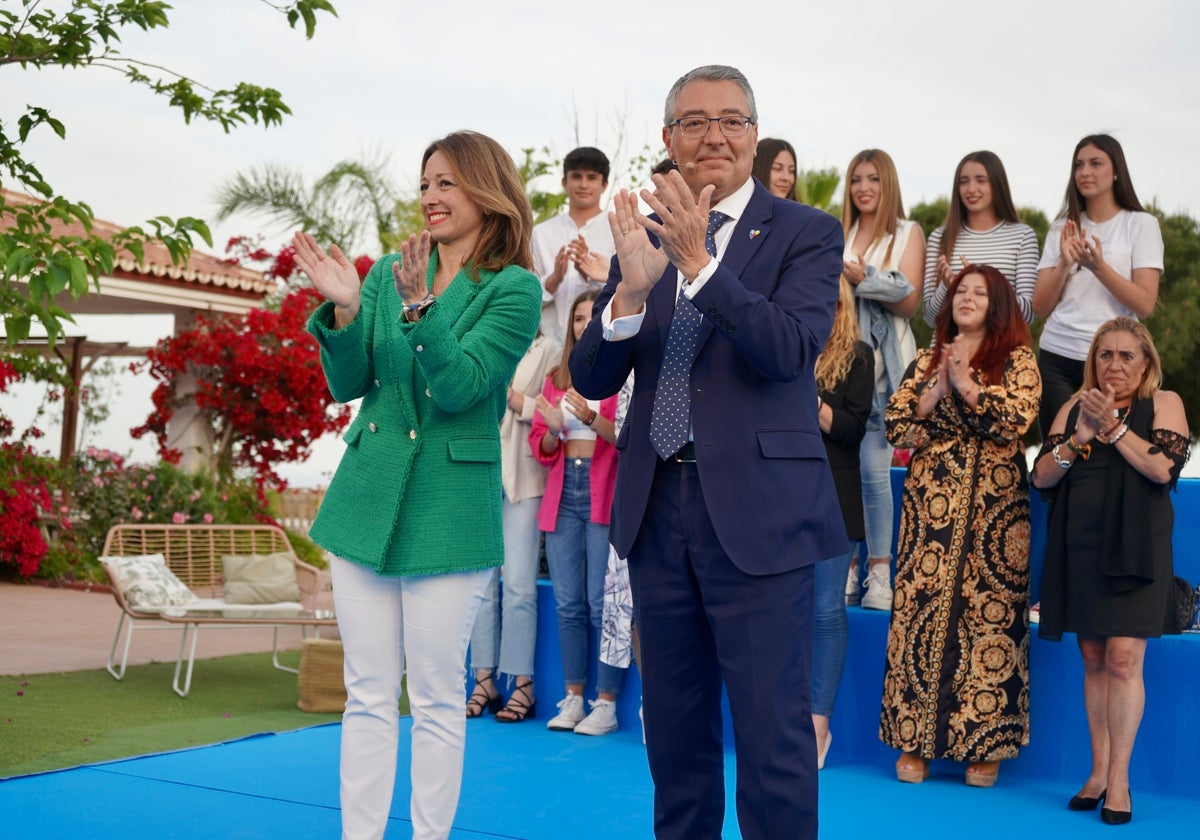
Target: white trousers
<point x="422" y="623"/>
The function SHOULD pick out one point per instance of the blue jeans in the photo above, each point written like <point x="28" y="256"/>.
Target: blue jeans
<point x="831" y="630"/>
<point x="875" y="467"/>
<point x="517" y="632"/>
<point x="577" y="554"/>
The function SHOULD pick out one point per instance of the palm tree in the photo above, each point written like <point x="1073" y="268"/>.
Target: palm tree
<point x="354" y="204"/>
<point x="818" y="187"/>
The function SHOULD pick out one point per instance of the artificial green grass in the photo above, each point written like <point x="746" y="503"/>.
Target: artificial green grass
<point x="52" y="721"/>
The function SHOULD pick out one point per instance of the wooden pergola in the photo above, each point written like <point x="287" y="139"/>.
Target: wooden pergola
<point x="153" y="285"/>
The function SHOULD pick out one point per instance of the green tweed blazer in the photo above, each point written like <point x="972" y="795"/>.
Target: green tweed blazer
<point x="418" y="491"/>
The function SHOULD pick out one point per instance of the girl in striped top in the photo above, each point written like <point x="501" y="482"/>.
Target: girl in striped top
<point x="981" y="228"/>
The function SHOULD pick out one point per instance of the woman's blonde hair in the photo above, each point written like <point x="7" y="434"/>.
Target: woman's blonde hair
<point x="1151" y="379"/>
<point x="833" y="365"/>
<point x="891" y="206"/>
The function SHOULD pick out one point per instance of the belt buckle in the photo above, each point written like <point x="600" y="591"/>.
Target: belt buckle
<point x="686" y="454"/>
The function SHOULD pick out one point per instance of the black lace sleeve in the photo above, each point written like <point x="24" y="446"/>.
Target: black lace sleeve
<point x="1049" y="443"/>
<point x="1174" y="446"/>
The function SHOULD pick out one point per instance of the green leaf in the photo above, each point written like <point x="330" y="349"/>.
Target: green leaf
<point x="79" y="277"/>
<point x="60" y="279"/>
<point x="197" y="226"/>
<point x="15" y="259"/>
<point x="16" y="327"/>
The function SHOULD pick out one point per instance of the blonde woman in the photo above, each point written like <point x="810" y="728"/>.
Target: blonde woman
<point x="885" y="263"/>
<point x="845" y="383"/>
<point x="1112" y="456"/>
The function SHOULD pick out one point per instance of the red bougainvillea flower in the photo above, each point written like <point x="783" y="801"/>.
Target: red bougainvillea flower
<point x="258" y="384"/>
<point x="363" y="265"/>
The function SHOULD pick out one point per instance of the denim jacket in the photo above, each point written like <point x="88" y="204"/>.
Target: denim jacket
<point x="877" y="327"/>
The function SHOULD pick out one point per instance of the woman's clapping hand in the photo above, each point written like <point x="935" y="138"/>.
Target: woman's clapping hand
<point x="333" y="275"/>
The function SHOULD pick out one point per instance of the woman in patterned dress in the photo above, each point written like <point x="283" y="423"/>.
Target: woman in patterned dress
<point x="957" y="679"/>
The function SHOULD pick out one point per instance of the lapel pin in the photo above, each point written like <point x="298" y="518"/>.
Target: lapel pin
<point x="755" y="233"/>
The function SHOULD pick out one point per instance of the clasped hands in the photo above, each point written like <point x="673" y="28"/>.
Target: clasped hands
<point x="954" y="370"/>
<point x="587" y="262"/>
<point x="1095" y="414"/>
<point x="553" y="414"/>
<point x="681" y="231"/>
<point x="1076" y="248"/>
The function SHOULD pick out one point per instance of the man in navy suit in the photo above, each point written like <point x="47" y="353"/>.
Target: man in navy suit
<point x="724" y="498"/>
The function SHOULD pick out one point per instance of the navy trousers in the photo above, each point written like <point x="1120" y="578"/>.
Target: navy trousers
<point x="704" y="622"/>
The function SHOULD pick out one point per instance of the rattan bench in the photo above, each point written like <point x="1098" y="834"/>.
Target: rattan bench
<point x="194" y="553"/>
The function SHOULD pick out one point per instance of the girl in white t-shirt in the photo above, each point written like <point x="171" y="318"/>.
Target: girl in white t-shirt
<point x="885" y="263"/>
<point x="1103" y="258"/>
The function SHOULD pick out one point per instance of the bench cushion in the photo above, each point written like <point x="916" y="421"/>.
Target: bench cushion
<point x="260" y="578"/>
<point x="147" y="582"/>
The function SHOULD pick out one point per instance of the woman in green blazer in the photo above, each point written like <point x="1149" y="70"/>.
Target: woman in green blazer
<point x="412" y="517"/>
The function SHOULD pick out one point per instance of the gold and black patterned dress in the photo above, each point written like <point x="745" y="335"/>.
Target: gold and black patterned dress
<point x="957" y="679"/>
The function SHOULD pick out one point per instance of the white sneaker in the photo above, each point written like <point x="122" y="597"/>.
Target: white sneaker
<point x="853" y="590"/>
<point x="879" y="589"/>
<point x="570" y="712"/>
<point x="601" y="721"/>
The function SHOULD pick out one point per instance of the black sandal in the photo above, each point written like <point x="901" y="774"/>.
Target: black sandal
<point x="519" y="706"/>
<point x="480" y="699"/>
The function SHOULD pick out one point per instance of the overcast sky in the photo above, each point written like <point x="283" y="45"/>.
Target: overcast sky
<point x="925" y="80"/>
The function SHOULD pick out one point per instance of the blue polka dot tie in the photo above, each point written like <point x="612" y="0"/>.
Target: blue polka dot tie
<point x="670" y="419"/>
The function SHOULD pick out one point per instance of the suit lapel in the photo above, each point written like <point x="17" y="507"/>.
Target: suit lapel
<point x="749" y="233"/>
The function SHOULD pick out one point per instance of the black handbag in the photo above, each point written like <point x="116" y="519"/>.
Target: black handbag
<point x="1185" y="605"/>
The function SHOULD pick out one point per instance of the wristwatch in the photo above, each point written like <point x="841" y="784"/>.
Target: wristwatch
<point x="414" y="311"/>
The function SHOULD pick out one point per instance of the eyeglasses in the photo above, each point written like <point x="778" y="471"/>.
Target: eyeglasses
<point x="732" y="125"/>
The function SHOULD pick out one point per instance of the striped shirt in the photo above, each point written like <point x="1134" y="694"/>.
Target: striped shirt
<point x="1009" y="247"/>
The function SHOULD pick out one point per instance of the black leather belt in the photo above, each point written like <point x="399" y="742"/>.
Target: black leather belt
<point x="686" y="455"/>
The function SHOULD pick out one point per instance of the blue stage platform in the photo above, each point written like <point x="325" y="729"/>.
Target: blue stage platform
<point x="1166" y="759"/>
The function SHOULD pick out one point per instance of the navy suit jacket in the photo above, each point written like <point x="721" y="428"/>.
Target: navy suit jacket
<point x="768" y="311"/>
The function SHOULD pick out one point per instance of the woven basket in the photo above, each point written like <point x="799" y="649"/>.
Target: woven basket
<point x="322" y="684"/>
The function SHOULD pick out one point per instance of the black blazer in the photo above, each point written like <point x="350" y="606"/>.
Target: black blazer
<point x="850" y="402"/>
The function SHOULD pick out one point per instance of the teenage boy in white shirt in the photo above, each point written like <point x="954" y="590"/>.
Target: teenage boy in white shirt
<point x="571" y="251"/>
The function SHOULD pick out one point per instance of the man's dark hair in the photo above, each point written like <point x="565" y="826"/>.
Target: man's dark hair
<point x="588" y="159"/>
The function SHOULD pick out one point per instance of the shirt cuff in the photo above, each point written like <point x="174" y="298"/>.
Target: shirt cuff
<point x="692" y="289"/>
<point x="620" y="328"/>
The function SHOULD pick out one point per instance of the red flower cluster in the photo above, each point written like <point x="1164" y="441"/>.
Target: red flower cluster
<point x="281" y="266"/>
<point x="258" y="383"/>
<point x="362" y="265"/>
<point x="22" y="503"/>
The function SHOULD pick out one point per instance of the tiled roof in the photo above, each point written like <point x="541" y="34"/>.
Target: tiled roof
<point x="202" y="270"/>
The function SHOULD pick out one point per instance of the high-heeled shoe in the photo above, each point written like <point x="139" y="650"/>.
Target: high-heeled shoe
<point x="1086" y="803"/>
<point x="480" y="699"/>
<point x="982" y="773"/>
<point x="521" y="705"/>
<point x="1110" y="817"/>
<point x="911" y="768"/>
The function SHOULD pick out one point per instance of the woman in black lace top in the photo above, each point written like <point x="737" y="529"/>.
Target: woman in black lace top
<point x="1114" y="452"/>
